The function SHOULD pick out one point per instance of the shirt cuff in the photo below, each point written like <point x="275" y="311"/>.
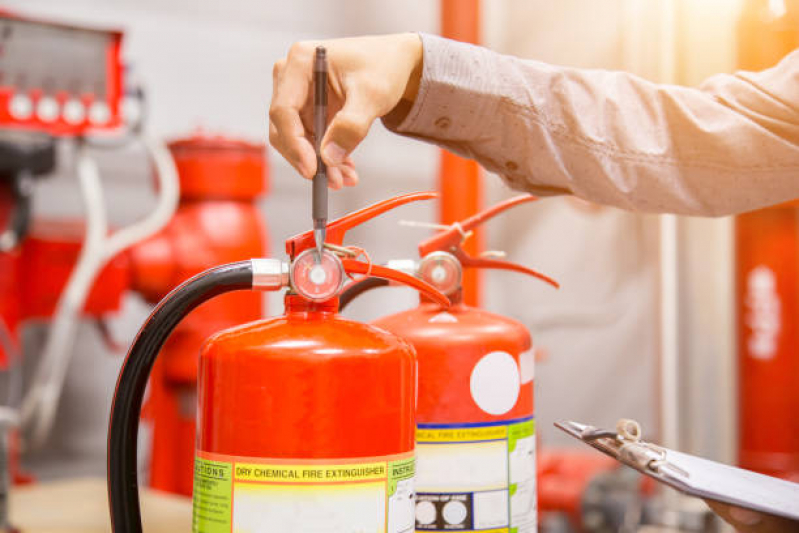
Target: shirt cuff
<point x="454" y="97"/>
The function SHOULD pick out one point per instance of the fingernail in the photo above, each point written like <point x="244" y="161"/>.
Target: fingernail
<point x="334" y="154"/>
<point x="745" y="516"/>
<point x="304" y="170"/>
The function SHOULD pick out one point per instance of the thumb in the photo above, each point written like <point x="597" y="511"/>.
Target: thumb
<point x="348" y="128"/>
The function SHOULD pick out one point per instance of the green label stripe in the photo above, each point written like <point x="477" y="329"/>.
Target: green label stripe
<point x="213" y="483"/>
<point x="400" y="471"/>
<point x="520" y="431"/>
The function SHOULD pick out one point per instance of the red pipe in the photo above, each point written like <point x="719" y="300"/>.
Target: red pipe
<point x="459" y="179"/>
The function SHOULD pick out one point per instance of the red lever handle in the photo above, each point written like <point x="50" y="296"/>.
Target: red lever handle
<point x="353" y="266"/>
<point x="483" y="262"/>
<point x="450" y="240"/>
<point x="453" y="236"/>
<point x="339" y="227"/>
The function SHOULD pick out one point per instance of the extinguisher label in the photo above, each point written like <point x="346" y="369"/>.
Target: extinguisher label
<point x="238" y="494"/>
<point x="476" y="477"/>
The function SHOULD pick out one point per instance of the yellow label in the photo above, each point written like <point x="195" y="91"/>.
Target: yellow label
<point x="462" y="434"/>
<point x="311" y="473"/>
<point x="246" y="494"/>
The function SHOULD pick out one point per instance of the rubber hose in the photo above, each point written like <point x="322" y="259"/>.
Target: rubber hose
<point x="123" y="488"/>
<point x="358" y="288"/>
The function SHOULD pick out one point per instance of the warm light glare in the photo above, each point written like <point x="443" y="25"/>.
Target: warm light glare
<point x="777" y="8"/>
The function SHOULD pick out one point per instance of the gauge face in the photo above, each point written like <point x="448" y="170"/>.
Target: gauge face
<point x="317" y="280"/>
<point x="441" y="270"/>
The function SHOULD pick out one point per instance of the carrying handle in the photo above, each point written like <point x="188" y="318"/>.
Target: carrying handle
<point x="337" y="229"/>
<point x="451" y="240"/>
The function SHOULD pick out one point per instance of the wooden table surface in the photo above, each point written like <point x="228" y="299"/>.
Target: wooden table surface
<point x="81" y="506"/>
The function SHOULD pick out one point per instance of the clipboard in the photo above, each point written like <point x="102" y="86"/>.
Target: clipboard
<point x="690" y="474"/>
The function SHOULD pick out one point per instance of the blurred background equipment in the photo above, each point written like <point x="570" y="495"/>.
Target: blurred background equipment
<point x="217" y="221"/>
<point x="767" y="282"/>
<point x="59" y="79"/>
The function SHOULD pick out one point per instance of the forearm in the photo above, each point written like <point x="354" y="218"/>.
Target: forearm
<point x="611" y="137"/>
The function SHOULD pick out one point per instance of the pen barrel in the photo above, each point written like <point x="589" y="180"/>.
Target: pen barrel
<point x="320" y="96"/>
<point x="319" y="204"/>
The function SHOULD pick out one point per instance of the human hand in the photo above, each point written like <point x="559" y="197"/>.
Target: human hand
<point x="367" y="78"/>
<point x="746" y="521"/>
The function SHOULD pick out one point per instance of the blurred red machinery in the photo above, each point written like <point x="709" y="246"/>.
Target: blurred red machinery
<point x="217" y="221"/>
<point x="40" y="87"/>
<point x="55" y="80"/>
<point x="767" y="282"/>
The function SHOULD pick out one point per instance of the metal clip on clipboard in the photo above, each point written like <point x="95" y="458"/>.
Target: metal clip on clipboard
<point x="690" y="474"/>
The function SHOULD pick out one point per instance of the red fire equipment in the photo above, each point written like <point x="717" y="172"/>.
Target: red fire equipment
<point x="304" y="418"/>
<point x="217" y="221"/>
<point x="57" y="78"/>
<point x="475" y="427"/>
<point x="767" y="283"/>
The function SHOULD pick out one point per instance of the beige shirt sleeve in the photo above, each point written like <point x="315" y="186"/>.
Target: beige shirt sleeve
<point x="731" y="145"/>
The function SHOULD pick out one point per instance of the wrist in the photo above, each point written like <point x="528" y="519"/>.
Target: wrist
<point x="416" y="57"/>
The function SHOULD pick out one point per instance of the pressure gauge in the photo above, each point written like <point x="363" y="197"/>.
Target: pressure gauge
<point x="317" y="280"/>
<point x="442" y="270"/>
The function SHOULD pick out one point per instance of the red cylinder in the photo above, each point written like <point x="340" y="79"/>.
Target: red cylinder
<point x="306" y="421"/>
<point x="768" y="338"/>
<point x="475" y="426"/>
<point x="217" y="221"/>
<point x="767" y="282"/>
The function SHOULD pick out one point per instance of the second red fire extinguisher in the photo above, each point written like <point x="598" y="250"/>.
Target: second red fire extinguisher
<point x="475" y="426"/>
<point x="306" y="420"/>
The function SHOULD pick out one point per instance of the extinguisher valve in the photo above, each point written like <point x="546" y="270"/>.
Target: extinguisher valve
<point x="314" y="279"/>
<point x="442" y="270"/>
<point x="270" y="274"/>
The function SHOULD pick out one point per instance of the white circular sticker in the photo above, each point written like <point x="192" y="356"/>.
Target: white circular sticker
<point x="495" y="383"/>
<point x="454" y="512"/>
<point x="425" y="512"/>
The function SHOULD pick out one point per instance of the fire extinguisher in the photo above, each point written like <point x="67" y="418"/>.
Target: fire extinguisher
<point x="475" y="437"/>
<point x="306" y="420"/>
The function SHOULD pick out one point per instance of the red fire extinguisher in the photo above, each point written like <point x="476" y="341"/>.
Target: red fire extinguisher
<point x="475" y="438"/>
<point x="306" y="420"/>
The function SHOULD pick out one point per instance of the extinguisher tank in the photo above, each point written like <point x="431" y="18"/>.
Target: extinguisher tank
<point x="475" y="425"/>
<point x="453" y="342"/>
<point x="306" y="420"/>
<point x="345" y="389"/>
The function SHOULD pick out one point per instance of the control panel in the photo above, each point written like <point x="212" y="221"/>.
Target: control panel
<point x="59" y="79"/>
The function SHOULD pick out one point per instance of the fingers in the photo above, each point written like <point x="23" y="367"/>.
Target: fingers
<point x="349" y="174"/>
<point x="343" y="175"/>
<point x="291" y="79"/>
<point x="347" y="129"/>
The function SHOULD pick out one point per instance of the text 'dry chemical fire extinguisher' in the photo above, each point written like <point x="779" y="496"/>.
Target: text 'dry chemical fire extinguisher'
<point x="475" y="437"/>
<point x="306" y="420"/>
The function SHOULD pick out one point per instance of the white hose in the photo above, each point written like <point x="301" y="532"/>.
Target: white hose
<point x="40" y="404"/>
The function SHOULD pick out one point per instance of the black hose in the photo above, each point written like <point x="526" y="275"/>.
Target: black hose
<point x="123" y="488"/>
<point x="358" y="288"/>
<point x="20" y="219"/>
